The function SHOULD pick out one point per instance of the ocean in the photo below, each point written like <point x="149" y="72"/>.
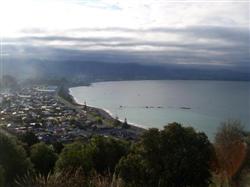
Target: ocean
<point x="200" y="104"/>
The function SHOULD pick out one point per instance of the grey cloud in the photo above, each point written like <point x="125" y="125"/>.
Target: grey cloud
<point x="224" y="45"/>
<point x="144" y="57"/>
<point x="195" y="49"/>
<point x="68" y="39"/>
<point x="237" y="37"/>
<point x="230" y="33"/>
<point x="233" y="34"/>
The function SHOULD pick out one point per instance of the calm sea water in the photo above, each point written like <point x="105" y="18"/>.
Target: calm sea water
<point x="201" y="104"/>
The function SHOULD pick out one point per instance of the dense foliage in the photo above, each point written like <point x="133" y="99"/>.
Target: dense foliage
<point x="231" y="152"/>
<point x="29" y="138"/>
<point x="43" y="157"/>
<point x="1" y="176"/>
<point x="100" y="154"/>
<point x="107" y="152"/>
<point x="74" y="156"/>
<point x="13" y="159"/>
<point x="176" y="156"/>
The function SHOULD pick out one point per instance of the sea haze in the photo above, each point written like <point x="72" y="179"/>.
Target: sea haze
<point x="201" y="104"/>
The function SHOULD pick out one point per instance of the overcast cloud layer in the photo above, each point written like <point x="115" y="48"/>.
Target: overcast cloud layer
<point x="197" y="32"/>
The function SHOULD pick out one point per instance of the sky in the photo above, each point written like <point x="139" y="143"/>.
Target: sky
<point x="183" y="32"/>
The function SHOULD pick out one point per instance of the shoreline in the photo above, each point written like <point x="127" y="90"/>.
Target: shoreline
<point x="104" y="110"/>
<point x="106" y="114"/>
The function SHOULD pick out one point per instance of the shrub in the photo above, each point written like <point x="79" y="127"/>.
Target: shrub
<point x="74" y="156"/>
<point x="176" y="156"/>
<point x="43" y="157"/>
<point x="13" y="159"/>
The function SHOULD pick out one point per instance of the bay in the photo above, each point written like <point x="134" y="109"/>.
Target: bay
<point x="200" y="104"/>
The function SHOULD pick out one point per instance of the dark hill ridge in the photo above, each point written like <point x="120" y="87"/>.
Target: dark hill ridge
<point x="104" y="71"/>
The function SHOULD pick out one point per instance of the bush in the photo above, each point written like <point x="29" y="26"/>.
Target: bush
<point x="1" y="176"/>
<point x="231" y="152"/>
<point x="29" y="138"/>
<point x="43" y="157"/>
<point x="107" y="152"/>
<point x="176" y="156"/>
<point x="13" y="159"/>
<point x="74" y="156"/>
<point x="58" y="147"/>
<point x="132" y="170"/>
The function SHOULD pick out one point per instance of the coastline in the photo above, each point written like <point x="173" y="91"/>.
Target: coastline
<point x="103" y="113"/>
<point x="104" y="110"/>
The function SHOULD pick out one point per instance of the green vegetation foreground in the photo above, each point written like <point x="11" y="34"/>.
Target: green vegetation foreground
<point x="176" y="156"/>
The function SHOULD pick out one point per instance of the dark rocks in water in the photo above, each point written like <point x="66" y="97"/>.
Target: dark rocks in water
<point x="153" y="107"/>
<point x="186" y="108"/>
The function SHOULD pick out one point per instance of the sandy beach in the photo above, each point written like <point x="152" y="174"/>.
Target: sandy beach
<point x="69" y="100"/>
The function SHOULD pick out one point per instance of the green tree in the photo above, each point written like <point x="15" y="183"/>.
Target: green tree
<point x="74" y="156"/>
<point x="107" y="152"/>
<point x="58" y="147"/>
<point x="43" y="157"/>
<point x="13" y="159"/>
<point x="29" y="138"/>
<point x="125" y="124"/>
<point x="132" y="170"/>
<point x="176" y="156"/>
<point x="1" y="176"/>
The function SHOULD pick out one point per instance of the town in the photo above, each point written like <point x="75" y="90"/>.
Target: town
<point x="52" y="118"/>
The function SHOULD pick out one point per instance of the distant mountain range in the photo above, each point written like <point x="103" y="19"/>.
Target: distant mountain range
<point x="80" y="71"/>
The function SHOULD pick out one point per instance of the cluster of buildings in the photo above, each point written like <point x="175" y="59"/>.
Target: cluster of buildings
<point x="52" y="119"/>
